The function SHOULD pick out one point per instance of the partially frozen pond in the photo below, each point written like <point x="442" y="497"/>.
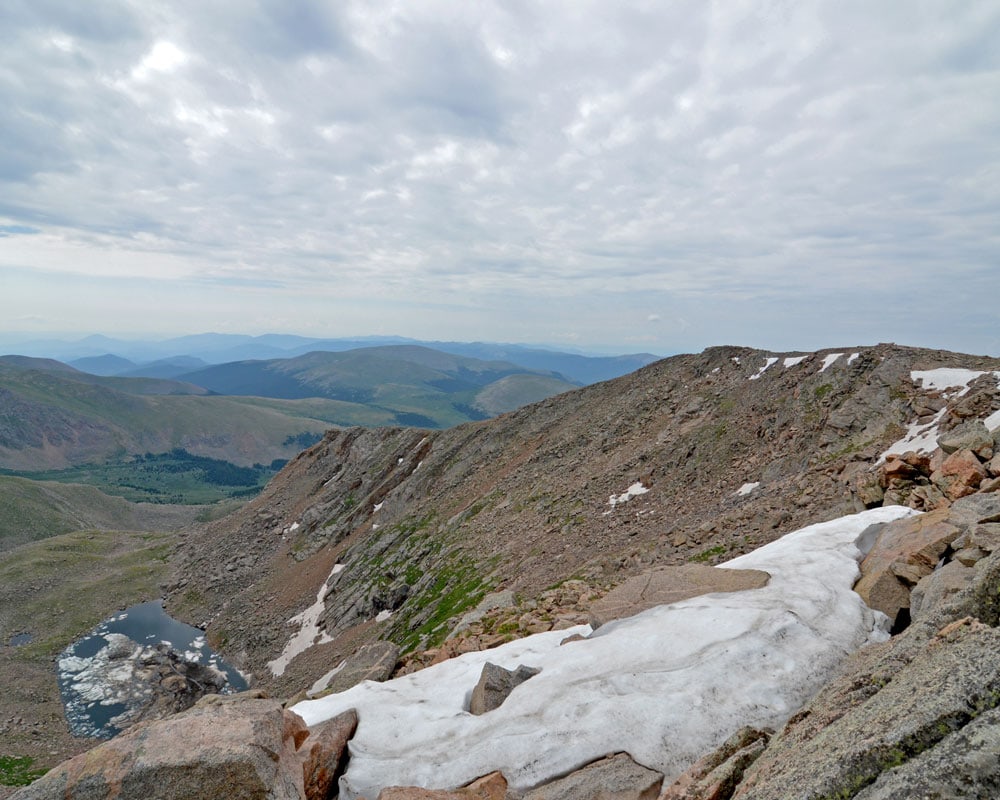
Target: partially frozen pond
<point x="109" y="674"/>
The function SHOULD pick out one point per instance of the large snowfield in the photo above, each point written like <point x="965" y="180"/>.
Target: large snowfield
<point x="667" y="685"/>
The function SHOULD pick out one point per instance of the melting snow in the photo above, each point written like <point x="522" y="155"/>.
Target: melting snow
<point x="763" y="369"/>
<point x="383" y="615"/>
<point x="309" y="632"/>
<point x="947" y="378"/>
<point x="791" y="361"/>
<point x="746" y="488"/>
<point x="667" y="685"/>
<point x="922" y="437"/>
<point x="633" y="491"/>
<point x="378" y="507"/>
<point x="851" y="359"/>
<point x="829" y="359"/>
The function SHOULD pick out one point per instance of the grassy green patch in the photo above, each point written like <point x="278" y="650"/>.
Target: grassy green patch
<point x="707" y="555"/>
<point x="17" y="771"/>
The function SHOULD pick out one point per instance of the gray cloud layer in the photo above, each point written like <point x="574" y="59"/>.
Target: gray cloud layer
<point x="646" y="175"/>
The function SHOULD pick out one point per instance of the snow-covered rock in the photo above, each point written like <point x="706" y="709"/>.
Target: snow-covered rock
<point x="666" y="685"/>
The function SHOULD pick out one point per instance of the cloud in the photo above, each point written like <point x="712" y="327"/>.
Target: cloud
<point x="746" y="166"/>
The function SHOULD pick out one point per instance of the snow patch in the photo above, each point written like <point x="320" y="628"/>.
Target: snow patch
<point x="951" y="382"/>
<point x="791" y="361"/>
<point x="383" y="615"/>
<point x="633" y="491"/>
<point x="324" y="681"/>
<point x="829" y="359"/>
<point x="946" y="378"/>
<point x="378" y="507"/>
<point x="919" y="437"/>
<point x="746" y="488"/>
<point x="309" y="632"/>
<point x="722" y="660"/>
<point x="769" y="362"/>
<point x="853" y="357"/>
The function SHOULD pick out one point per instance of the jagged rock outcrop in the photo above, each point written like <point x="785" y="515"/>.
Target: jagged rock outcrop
<point x="916" y="716"/>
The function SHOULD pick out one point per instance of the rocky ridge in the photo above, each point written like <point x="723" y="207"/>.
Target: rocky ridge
<point x="481" y="519"/>
<point x="694" y="458"/>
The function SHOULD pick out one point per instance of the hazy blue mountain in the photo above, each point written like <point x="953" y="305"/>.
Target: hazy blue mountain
<point x="164" y="367"/>
<point x="107" y="364"/>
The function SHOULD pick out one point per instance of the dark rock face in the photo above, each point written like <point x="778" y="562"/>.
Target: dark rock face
<point x="495" y="685"/>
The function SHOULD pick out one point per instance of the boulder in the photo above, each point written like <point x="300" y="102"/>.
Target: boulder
<point x="489" y="787"/>
<point x="495" y="685"/>
<point x="324" y="755"/>
<point x="886" y="713"/>
<point x="960" y="474"/>
<point x="374" y="661"/>
<point x="968" y="436"/>
<point x="244" y="748"/>
<point x="616" y="777"/>
<point x="911" y="546"/>
<point x="934" y="589"/>
<point x="671" y="585"/>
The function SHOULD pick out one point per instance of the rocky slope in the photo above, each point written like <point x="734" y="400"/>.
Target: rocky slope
<point x="696" y="457"/>
<point x="436" y="543"/>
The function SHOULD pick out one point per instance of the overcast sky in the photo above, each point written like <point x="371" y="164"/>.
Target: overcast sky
<point x="645" y="176"/>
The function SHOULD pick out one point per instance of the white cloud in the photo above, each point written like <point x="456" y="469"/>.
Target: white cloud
<point x="741" y="166"/>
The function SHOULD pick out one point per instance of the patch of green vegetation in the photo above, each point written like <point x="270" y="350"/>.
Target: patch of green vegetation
<point x="707" y="555"/>
<point x="17" y="771"/>
<point x="726" y="404"/>
<point x="177" y="477"/>
<point x="822" y="391"/>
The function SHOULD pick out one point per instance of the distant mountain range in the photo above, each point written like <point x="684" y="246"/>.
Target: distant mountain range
<point x="56" y="416"/>
<point x="106" y="356"/>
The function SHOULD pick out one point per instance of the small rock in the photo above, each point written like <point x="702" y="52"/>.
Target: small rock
<point x="495" y="685"/>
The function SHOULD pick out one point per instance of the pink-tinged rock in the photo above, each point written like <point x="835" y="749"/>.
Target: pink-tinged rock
<point x="489" y="787"/>
<point x="671" y="585"/>
<point x="616" y="777"/>
<point x="963" y="472"/>
<point x="918" y="543"/>
<point x="895" y="468"/>
<point x="230" y="748"/>
<point x="324" y="753"/>
<point x="716" y="776"/>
